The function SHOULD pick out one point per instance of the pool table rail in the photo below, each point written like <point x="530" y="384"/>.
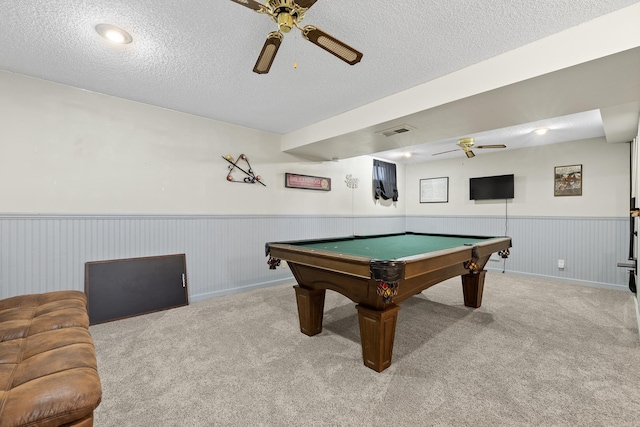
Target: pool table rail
<point x="333" y="261"/>
<point x="411" y="266"/>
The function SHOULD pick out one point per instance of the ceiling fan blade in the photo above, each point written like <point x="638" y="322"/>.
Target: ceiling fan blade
<point x="443" y="152"/>
<point x="306" y="4"/>
<point x="469" y="153"/>
<point x="331" y="45"/>
<point x="251" y="4"/>
<point x="268" y="53"/>
<point x="492" y="146"/>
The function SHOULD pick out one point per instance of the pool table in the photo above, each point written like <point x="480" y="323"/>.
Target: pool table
<point x="379" y="272"/>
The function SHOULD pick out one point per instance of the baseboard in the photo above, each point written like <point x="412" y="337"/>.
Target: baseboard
<point x="207" y="295"/>
<point x="564" y="279"/>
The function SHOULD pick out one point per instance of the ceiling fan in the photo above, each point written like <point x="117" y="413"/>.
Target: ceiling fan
<point x="467" y="143"/>
<point x="287" y="14"/>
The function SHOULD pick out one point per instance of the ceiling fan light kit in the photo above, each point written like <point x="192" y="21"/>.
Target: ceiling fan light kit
<point x="288" y="14"/>
<point x="285" y="22"/>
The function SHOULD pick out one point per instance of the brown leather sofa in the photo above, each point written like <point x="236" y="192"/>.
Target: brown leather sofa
<point x="48" y="370"/>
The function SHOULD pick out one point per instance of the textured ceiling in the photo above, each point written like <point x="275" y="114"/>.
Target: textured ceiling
<point x="579" y="126"/>
<point x="197" y="56"/>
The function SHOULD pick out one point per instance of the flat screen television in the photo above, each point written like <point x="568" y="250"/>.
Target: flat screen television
<point x="491" y="187"/>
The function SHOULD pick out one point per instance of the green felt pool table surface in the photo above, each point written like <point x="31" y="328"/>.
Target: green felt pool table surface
<point x="392" y="247"/>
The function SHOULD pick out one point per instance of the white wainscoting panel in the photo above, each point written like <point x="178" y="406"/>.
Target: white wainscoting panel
<point x="225" y="254"/>
<point x="590" y="247"/>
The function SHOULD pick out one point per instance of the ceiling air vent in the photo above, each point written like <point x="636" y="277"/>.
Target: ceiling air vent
<point x="396" y="130"/>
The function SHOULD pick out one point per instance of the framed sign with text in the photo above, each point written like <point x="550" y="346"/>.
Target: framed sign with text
<point x="307" y="182"/>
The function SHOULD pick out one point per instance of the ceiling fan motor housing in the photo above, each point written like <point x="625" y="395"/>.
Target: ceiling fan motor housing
<point x="278" y="6"/>
<point x="286" y="14"/>
<point x="465" y="143"/>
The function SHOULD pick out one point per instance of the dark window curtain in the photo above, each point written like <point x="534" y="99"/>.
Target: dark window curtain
<point x="384" y="180"/>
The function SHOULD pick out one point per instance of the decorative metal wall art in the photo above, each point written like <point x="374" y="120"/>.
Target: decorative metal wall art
<point x="250" y="177"/>
<point x="351" y="182"/>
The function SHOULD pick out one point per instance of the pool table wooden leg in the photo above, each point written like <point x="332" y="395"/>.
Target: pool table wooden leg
<point x="377" y="331"/>
<point x="472" y="287"/>
<point x="310" y="309"/>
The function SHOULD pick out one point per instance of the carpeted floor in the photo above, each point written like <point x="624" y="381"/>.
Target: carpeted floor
<point x="537" y="353"/>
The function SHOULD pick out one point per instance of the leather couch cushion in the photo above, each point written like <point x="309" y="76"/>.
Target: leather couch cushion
<point x="48" y="371"/>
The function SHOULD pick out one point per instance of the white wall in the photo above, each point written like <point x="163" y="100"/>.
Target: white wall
<point x="121" y="179"/>
<point x="605" y="191"/>
<point x="66" y="150"/>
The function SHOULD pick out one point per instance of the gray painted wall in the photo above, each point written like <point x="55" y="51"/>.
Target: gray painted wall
<point x="225" y="254"/>
<point x="590" y="246"/>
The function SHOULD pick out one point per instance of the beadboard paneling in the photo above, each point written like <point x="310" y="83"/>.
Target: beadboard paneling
<point x="224" y="254"/>
<point x="591" y="247"/>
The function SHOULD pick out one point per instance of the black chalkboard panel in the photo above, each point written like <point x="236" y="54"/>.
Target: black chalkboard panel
<point x="129" y="287"/>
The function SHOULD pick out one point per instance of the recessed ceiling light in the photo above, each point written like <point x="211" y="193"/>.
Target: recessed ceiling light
<point x="114" y="34"/>
<point x="407" y="154"/>
<point x="541" y="131"/>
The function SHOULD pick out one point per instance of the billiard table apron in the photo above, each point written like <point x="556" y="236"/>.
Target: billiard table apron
<point x="357" y="279"/>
